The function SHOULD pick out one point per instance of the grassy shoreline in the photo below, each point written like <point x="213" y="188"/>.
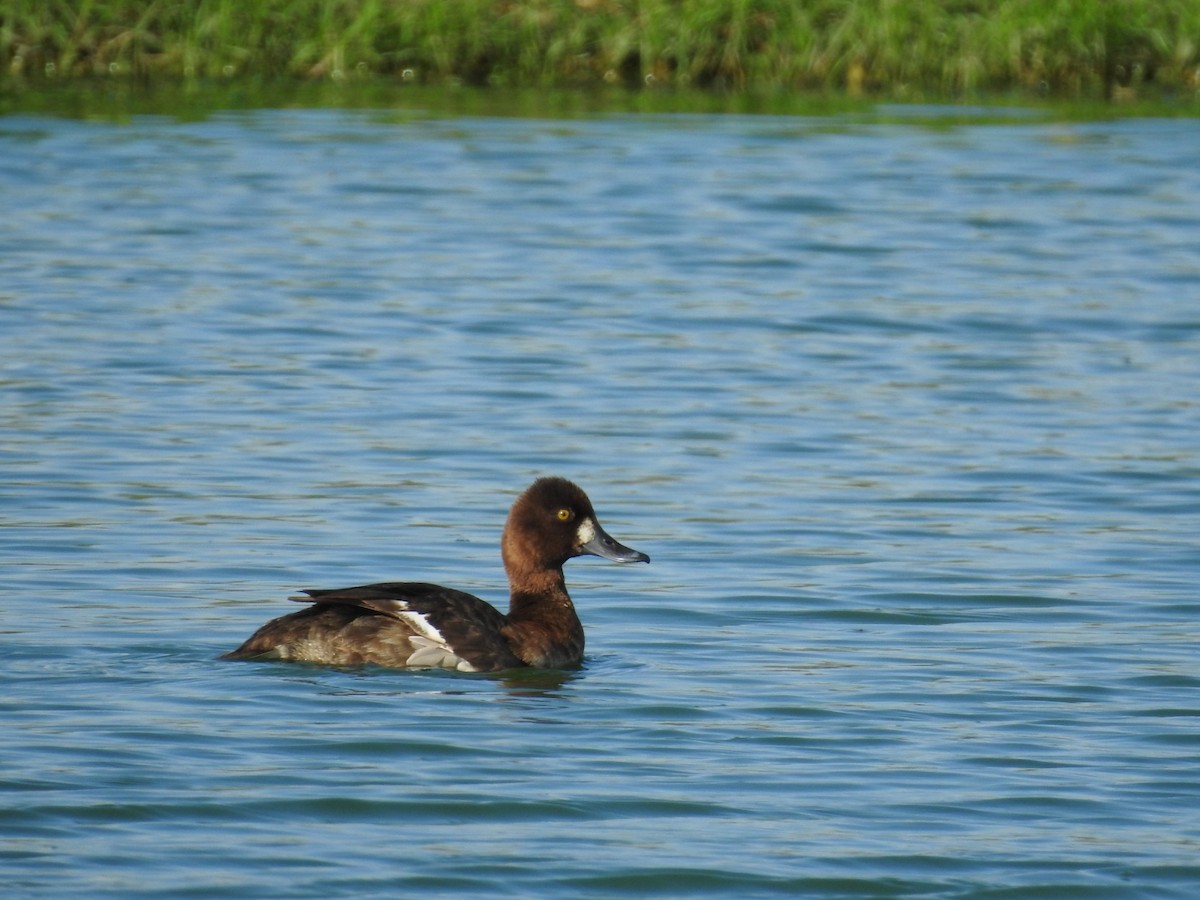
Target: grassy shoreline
<point x="1089" y="48"/>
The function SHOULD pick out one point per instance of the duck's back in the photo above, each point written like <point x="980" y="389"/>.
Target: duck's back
<point x="396" y="624"/>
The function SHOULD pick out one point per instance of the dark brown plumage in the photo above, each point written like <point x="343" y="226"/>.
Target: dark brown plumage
<point x="409" y="624"/>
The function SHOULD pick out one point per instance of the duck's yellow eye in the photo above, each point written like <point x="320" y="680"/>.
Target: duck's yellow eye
<point x="565" y="515"/>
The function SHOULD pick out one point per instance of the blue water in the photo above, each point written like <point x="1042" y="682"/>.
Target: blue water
<point x="907" y="417"/>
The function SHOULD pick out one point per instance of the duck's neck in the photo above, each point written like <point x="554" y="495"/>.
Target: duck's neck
<point x="544" y="629"/>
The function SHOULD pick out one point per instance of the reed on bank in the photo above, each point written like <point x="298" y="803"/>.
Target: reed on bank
<point x="948" y="46"/>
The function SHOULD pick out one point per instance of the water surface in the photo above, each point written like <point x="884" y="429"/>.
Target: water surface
<point x="905" y="416"/>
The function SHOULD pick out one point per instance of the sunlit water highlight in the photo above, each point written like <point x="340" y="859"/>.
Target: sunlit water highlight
<point x="907" y="418"/>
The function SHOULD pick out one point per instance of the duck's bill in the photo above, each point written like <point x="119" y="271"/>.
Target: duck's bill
<point x="599" y="543"/>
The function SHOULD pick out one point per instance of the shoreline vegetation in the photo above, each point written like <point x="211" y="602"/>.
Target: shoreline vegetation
<point x="1112" y="49"/>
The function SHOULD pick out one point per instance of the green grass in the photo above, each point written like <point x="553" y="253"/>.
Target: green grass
<point x="1070" y="47"/>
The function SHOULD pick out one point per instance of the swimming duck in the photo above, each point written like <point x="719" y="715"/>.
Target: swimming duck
<point x="412" y="624"/>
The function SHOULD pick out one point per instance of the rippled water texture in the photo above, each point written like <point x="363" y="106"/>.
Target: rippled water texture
<point x="906" y="416"/>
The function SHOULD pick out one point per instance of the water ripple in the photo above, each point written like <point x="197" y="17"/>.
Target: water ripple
<point x="904" y="417"/>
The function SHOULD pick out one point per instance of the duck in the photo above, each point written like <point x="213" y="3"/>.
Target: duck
<point x="421" y="625"/>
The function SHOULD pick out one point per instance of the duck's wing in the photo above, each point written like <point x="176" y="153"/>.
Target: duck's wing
<point x="398" y="624"/>
<point x="444" y="621"/>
